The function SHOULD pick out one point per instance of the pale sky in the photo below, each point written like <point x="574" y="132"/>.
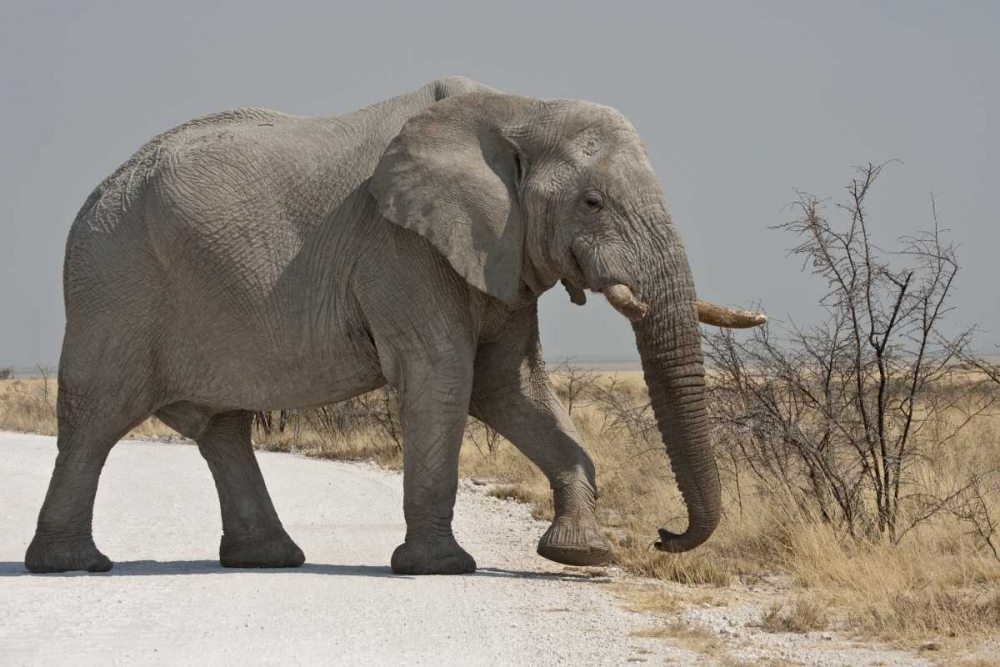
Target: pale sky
<point x="739" y="105"/>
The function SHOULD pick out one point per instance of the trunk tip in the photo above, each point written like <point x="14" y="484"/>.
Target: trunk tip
<point x="676" y="543"/>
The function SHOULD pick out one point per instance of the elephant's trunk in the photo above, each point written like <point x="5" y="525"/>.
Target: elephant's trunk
<point x="669" y="343"/>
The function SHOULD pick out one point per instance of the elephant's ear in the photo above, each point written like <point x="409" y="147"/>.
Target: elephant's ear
<point x="452" y="176"/>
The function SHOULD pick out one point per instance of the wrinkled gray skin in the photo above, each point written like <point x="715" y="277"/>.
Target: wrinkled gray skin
<point x="253" y="260"/>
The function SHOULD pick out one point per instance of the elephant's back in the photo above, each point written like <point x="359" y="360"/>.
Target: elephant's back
<point x="117" y="193"/>
<point x="239" y="194"/>
<point x="207" y="162"/>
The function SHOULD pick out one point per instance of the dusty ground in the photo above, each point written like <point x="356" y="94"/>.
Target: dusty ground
<point x="168" y="602"/>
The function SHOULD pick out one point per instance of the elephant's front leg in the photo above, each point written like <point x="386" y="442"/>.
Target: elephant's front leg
<point x="513" y="394"/>
<point x="434" y="402"/>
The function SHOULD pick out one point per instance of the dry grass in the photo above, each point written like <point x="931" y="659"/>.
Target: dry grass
<point x="927" y="585"/>
<point x="980" y="662"/>
<point x="641" y="597"/>
<point x="801" y="616"/>
<point x="939" y="581"/>
<point x="693" y="637"/>
<point x="28" y="405"/>
<point x="364" y="445"/>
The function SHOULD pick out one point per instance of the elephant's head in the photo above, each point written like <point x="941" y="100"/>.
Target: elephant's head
<point x="519" y="193"/>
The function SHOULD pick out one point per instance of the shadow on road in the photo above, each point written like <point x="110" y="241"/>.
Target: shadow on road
<point x="146" y="568"/>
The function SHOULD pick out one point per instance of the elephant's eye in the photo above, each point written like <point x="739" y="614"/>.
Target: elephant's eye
<point x="593" y="200"/>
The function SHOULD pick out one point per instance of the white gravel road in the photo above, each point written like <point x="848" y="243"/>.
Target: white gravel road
<point x="167" y="601"/>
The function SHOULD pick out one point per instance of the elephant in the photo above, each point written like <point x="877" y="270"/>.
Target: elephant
<point x="253" y="260"/>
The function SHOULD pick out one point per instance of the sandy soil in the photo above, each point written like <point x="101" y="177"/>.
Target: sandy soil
<point x="167" y="601"/>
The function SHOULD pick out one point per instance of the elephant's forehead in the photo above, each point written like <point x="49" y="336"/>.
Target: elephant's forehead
<point x="599" y="136"/>
<point x="617" y="161"/>
<point x="590" y="113"/>
<point x="602" y="143"/>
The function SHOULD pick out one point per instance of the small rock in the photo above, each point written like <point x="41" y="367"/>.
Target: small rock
<point x="930" y="646"/>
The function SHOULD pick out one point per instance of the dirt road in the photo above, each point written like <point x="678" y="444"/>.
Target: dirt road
<point x="167" y="601"/>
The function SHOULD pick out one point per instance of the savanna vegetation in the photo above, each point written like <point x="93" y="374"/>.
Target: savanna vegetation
<point x="860" y="455"/>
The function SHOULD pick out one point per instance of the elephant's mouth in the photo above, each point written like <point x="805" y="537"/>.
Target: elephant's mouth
<point x="621" y="296"/>
<point x="625" y="302"/>
<point x="575" y="280"/>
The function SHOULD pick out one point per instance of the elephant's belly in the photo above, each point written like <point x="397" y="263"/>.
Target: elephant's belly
<point x="258" y="373"/>
<point x="310" y="386"/>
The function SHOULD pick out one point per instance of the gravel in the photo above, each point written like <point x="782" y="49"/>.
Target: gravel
<point x="167" y="601"/>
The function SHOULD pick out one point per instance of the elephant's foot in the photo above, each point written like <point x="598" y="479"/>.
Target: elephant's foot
<point x="65" y="555"/>
<point x="271" y="551"/>
<point x="575" y="541"/>
<point x="443" y="556"/>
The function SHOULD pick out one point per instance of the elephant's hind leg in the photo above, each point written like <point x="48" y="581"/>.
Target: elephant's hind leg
<point x="252" y="534"/>
<point x="90" y="423"/>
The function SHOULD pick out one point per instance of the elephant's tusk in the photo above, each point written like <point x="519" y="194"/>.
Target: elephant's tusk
<point x="728" y="318"/>
<point x="621" y="299"/>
